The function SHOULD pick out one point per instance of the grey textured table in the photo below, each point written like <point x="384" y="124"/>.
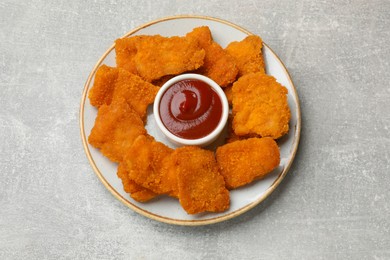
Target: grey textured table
<point x="333" y="204"/>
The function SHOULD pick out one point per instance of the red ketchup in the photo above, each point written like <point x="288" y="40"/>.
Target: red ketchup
<point x="190" y="109"/>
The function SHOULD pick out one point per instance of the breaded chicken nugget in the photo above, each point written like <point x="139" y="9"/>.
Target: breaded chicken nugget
<point x="159" y="56"/>
<point x="103" y="86"/>
<point x="231" y="136"/>
<point x="228" y="94"/>
<point x="243" y="161"/>
<point x="137" y="92"/>
<point x="201" y="186"/>
<point x="218" y="64"/>
<point x="153" y="57"/>
<point x="126" y="50"/>
<point x="146" y="162"/>
<point x="116" y="127"/>
<point x="113" y="83"/>
<point x="201" y="34"/>
<point x="136" y="191"/>
<point x="260" y="106"/>
<point x="247" y="55"/>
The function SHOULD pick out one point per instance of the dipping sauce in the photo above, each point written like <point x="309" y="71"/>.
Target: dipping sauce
<point x="190" y="109"/>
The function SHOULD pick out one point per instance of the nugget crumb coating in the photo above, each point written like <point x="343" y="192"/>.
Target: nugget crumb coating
<point x="136" y="191"/>
<point x="201" y="186"/>
<point x="103" y="86"/>
<point x="147" y="164"/>
<point x="228" y="93"/>
<point x="116" y="127"/>
<point x="241" y="162"/>
<point x="126" y="50"/>
<point x="113" y="83"/>
<point x="260" y="106"/>
<point x="218" y="65"/>
<point x="153" y="57"/>
<point x="247" y="55"/>
<point x="137" y="92"/>
<point x="231" y="136"/>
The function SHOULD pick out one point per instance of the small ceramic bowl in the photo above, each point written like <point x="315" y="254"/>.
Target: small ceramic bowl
<point x="209" y="138"/>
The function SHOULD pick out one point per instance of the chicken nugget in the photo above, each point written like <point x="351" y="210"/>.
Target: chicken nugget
<point x="116" y="127"/>
<point x="136" y="191"/>
<point x="126" y="50"/>
<point x="247" y="55"/>
<point x="228" y="94"/>
<point x="146" y="162"/>
<point x="260" y="106"/>
<point x="103" y="86"/>
<point x="201" y="186"/>
<point x="113" y="83"/>
<point x="201" y="34"/>
<point x="137" y="92"/>
<point x="243" y="161"/>
<point x="218" y="64"/>
<point x="158" y="56"/>
<point x="231" y="136"/>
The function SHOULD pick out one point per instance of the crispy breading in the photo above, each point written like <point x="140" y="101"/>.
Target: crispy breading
<point x="201" y="186"/>
<point x="247" y="55"/>
<point x="155" y="56"/>
<point x="146" y="161"/>
<point x="202" y="34"/>
<point x="231" y="136"/>
<point x="103" y="86"/>
<point x="161" y="81"/>
<point x="113" y="83"/>
<point x="228" y="94"/>
<point x="260" y="106"/>
<point x="243" y="161"/>
<point x="116" y="127"/>
<point x="136" y="191"/>
<point x="126" y="50"/>
<point x="137" y="92"/>
<point x="218" y="64"/>
<point x="169" y="170"/>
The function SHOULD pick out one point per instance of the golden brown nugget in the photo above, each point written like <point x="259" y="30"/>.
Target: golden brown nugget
<point x="116" y="127"/>
<point x="241" y="162"/>
<point x="146" y="162"/>
<point x="137" y="92"/>
<point x="159" y="56"/>
<point x="218" y="64"/>
<point x="136" y="191"/>
<point x="231" y="136"/>
<point x="170" y="171"/>
<point x="202" y="34"/>
<point x="112" y="83"/>
<point x="247" y="55"/>
<point x="153" y="57"/>
<point x="228" y="94"/>
<point x="201" y="186"/>
<point x="126" y="50"/>
<point x="260" y="106"/>
<point x="103" y="86"/>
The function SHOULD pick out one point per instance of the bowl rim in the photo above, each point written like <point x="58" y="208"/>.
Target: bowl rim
<point x="209" y="138"/>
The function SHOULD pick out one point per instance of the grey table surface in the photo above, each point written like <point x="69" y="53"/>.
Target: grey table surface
<point x="333" y="204"/>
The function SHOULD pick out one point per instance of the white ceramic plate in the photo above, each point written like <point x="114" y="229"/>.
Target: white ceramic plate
<point x="167" y="209"/>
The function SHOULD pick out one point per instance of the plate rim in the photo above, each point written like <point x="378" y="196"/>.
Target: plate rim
<point x="167" y="220"/>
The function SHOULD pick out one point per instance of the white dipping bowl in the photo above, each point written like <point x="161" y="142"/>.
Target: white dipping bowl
<point x="206" y="140"/>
